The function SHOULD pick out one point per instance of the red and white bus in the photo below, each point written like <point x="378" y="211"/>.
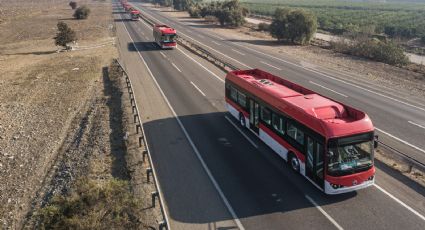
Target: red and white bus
<point x="329" y="143"/>
<point x="135" y="14"/>
<point x="165" y="36"/>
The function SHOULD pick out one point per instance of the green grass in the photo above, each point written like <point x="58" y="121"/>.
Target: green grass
<point x="396" y="18"/>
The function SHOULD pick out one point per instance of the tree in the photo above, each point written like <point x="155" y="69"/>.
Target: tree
<point x="297" y="26"/>
<point x="73" y="5"/>
<point x="181" y="4"/>
<point x="65" y="35"/>
<point x="82" y="12"/>
<point x="229" y="12"/>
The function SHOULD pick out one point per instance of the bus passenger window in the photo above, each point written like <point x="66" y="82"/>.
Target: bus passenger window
<point x="295" y="133"/>
<point x="242" y="99"/>
<point x="277" y="123"/>
<point x="233" y="94"/>
<point x="265" y="115"/>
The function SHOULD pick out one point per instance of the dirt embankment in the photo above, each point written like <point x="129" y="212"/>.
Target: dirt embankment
<point x="57" y="118"/>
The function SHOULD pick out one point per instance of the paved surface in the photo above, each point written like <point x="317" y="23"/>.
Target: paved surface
<point x="394" y="113"/>
<point x="261" y="190"/>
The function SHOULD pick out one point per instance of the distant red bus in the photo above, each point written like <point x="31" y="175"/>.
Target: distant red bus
<point x="135" y="14"/>
<point x="165" y="36"/>
<point x="329" y="143"/>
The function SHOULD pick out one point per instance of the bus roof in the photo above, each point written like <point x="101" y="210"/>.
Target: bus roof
<point x="322" y="114"/>
<point x="165" y="29"/>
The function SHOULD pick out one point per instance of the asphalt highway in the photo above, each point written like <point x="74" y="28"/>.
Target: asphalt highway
<point x="225" y="174"/>
<point x="398" y="116"/>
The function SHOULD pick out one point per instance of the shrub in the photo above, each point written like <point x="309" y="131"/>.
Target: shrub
<point x="263" y="26"/>
<point x="93" y="206"/>
<point x="374" y="49"/>
<point x="73" y="5"/>
<point x="82" y="12"/>
<point x="297" y="26"/>
<point x="194" y="11"/>
<point x="423" y="39"/>
<point x="65" y="35"/>
<point x="228" y="13"/>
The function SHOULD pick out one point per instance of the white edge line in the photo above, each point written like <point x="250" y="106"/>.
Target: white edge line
<point x="205" y="68"/>
<point x="402" y="141"/>
<point x="265" y="63"/>
<point x="176" y="67"/>
<point x="400" y="202"/>
<point x="328" y="89"/>
<point x="333" y="78"/>
<point x="217" y="187"/>
<point x="153" y="167"/>
<point x="162" y="54"/>
<point x="324" y="212"/>
<point x="196" y="87"/>
<point x="238" y="52"/>
<point x="413" y="123"/>
<point x="243" y="134"/>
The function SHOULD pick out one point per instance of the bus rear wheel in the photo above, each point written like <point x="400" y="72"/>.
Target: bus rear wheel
<point x="293" y="161"/>
<point x="242" y="119"/>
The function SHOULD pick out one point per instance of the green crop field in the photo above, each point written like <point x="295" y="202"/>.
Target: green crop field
<point x="396" y="18"/>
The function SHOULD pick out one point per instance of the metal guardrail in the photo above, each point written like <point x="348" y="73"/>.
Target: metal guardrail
<point x="145" y="152"/>
<point x="222" y="64"/>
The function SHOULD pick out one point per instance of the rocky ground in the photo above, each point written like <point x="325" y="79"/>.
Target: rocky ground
<point x="61" y="116"/>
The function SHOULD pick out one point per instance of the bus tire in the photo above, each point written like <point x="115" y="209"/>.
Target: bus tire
<point x="242" y="119"/>
<point x="294" y="162"/>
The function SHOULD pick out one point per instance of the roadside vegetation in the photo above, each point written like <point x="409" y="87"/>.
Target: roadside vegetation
<point x="93" y="205"/>
<point x="394" y="19"/>
<point x="82" y="12"/>
<point x="65" y="35"/>
<point x="73" y="5"/>
<point x="296" y="26"/>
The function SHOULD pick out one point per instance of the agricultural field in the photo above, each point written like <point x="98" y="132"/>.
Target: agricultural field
<point x="403" y="19"/>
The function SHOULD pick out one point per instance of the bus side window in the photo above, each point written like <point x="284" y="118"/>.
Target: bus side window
<point x="242" y="99"/>
<point x="278" y="124"/>
<point x="233" y="94"/>
<point x="227" y="90"/>
<point x="265" y="115"/>
<point x="295" y="133"/>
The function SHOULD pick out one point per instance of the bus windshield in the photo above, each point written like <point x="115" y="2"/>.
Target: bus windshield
<point x="168" y="38"/>
<point x="350" y="154"/>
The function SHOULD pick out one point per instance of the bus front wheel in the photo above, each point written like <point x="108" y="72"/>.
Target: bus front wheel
<point x="293" y="161"/>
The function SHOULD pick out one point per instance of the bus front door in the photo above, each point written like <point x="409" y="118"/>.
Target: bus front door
<point x="254" y="115"/>
<point x="314" y="162"/>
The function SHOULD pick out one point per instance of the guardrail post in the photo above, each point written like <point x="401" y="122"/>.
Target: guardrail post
<point x="154" y="196"/>
<point x="135" y="118"/>
<point x="130" y="94"/>
<point x="144" y="154"/>
<point x="133" y="108"/>
<point x="162" y="225"/>
<point x="131" y="101"/>
<point x="148" y="174"/>
<point x="137" y="128"/>
<point x="140" y="141"/>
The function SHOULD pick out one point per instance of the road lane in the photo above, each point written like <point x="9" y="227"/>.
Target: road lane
<point x="337" y="204"/>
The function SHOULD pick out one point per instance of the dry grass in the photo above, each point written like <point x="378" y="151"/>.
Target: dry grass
<point x="42" y="92"/>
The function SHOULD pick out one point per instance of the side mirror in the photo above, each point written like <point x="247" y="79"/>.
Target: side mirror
<point x="375" y="141"/>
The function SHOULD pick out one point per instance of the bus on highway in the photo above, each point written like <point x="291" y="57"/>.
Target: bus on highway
<point x="329" y="143"/>
<point x="165" y="36"/>
<point x="135" y="14"/>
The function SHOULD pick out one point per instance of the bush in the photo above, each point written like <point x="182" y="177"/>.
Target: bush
<point x="65" y="35"/>
<point x="194" y="11"/>
<point x="374" y="49"/>
<point x="423" y="39"/>
<point x="82" y="12"/>
<point x="228" y="13"/>
<point x="263" y="26"/>
<point x="93" y="206"/>
<point x="297" y="26"/>
<point x="73" y="5"/>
